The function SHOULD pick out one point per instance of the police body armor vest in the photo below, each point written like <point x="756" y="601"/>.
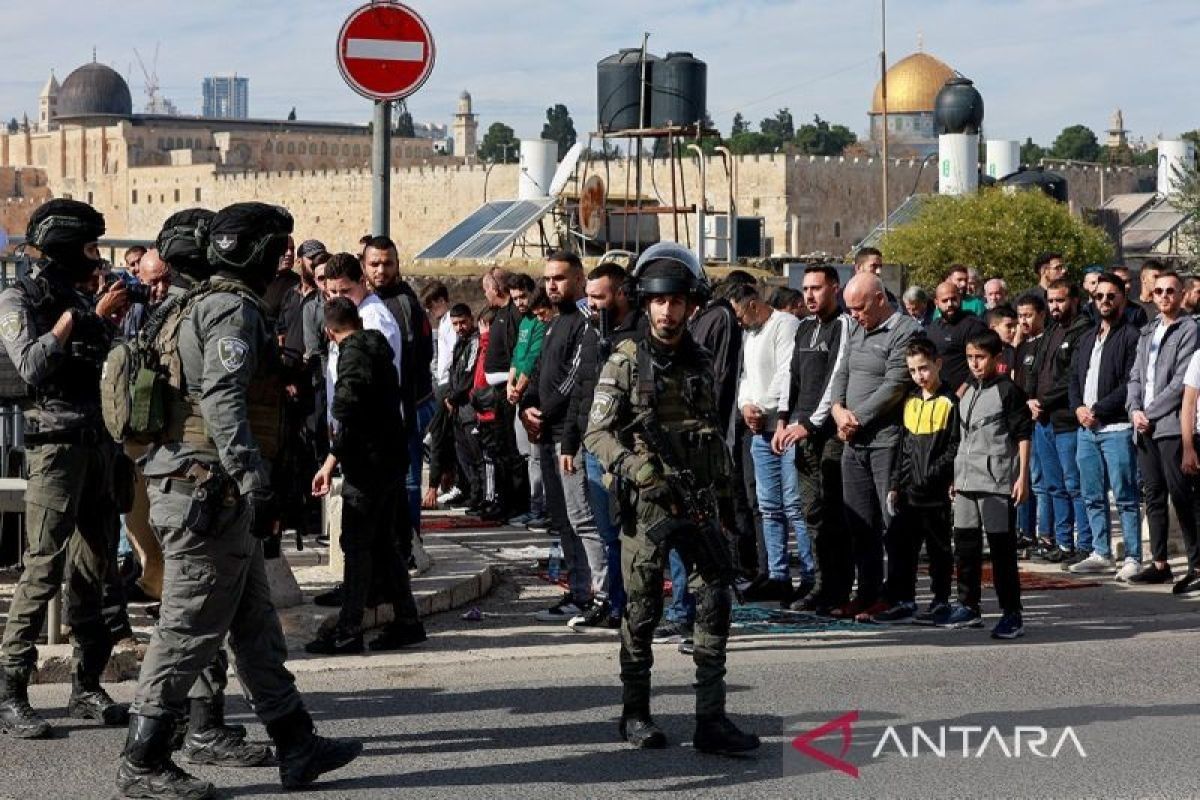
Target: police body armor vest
<point x="166" y="411"/>
<point x="682" y="403"/>
<point x="77" y="377"/>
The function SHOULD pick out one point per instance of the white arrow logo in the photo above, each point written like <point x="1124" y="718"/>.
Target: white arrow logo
<point x="385" y="49"/>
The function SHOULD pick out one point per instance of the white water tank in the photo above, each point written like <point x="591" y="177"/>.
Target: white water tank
<point x="1003" y="157"/>
<point x="539" y="157"/>
<point x="1174" y="156"/>
<point x="958" y="163"/>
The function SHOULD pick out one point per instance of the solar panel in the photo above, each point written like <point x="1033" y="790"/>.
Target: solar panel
<point x="488" y="230"/>
<point x="904" y="213"/>
<point x="1145" y="231"/>
<point x="472" y="224"/>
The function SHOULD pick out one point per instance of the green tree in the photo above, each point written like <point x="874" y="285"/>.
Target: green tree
<point x="779" y="127"/>
<point x="292" y="114"/>
<point x="739" y="125"/>
<point x="998" y="232"/>
<point x="499" y="145"/>
<point x="751" y="143"/>
<point x="821" y="139"/>
<point x="1032" y="153"/>
<point x="13" y="125"/>
<point x="1076" y="142"/>
<point x="559" y="128"/>
<point x="403" y="126"/>
<point x="1188" y="201"/>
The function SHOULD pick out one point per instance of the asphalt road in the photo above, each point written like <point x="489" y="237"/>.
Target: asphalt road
<point x="508" y="708"/>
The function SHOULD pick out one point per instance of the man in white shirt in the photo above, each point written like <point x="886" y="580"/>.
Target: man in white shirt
<point x="768" y="338"/>
<point x="344" y="278"/>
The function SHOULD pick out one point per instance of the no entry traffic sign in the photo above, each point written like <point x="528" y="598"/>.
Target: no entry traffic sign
<point x="385" y="50"/>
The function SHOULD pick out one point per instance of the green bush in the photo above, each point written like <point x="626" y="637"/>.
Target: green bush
<point x="997" y="232"/>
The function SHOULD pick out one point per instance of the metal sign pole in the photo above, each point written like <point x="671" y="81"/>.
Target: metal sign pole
<point x="381" y="168"/>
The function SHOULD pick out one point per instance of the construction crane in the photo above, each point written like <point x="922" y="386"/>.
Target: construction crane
<point x="155" y="102"/>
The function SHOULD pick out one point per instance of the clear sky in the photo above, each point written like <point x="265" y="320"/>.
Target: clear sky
<point x="1040" y="64"/>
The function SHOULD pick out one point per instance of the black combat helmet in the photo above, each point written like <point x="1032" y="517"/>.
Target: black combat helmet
<point x="248" y="239"/>
<point x="60" y="228"/>
<point x="669" y="268"/>
<point x="183" y="239"/>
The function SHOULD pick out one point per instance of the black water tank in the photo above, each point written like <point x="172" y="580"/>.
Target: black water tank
<point x="679" y="91"/>
<point x="619" y="89"/>
<point x="958" y="107"/>
<point x="1049" y="183"/>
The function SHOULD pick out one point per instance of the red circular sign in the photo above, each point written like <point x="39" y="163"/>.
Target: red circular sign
<point x="385" y="50"/>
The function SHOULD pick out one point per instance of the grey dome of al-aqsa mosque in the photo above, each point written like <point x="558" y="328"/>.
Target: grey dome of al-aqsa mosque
<point x="94" y="89"/>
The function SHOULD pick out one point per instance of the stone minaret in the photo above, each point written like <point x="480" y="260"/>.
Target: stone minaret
<point x="466" y="128"/>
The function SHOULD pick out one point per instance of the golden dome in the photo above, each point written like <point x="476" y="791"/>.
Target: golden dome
<point x="913" y="84"/>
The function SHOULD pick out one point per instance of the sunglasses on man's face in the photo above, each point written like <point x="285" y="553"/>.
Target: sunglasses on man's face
<point x="1165" y="292"/>
<point x="1100" y="297"/>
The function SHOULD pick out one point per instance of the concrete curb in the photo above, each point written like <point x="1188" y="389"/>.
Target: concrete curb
<point x="458" y="576"/>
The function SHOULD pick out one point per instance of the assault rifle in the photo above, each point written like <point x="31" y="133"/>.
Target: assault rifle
<point x="696" y="531"/>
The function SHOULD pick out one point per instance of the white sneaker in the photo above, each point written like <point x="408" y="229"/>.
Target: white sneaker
<point x="1128" y="570"/>
<point x="450" y="496"/>
<point x="1094" y="564"/>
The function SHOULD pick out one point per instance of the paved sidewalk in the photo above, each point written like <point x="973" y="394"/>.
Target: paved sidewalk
<point x="458" y="576"/>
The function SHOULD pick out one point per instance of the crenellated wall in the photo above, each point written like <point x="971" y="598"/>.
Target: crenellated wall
<point x="809" y="203"/>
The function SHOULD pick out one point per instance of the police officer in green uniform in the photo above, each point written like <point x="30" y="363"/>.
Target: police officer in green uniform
<point x="653" y="394"/>
<point x="208" y="740"/>
<point x="208" y="482"/>
<point x="56" y="336"/>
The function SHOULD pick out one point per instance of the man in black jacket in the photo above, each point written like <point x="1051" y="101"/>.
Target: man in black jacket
<point x="381" y="265"/>
<point x="1099" y="377"/>
<point x="612" y="321"/>
<point x="950" y="333"/>
<point x="1056" y="430"/>
<point x="716" y="329"/>
<point x="544" y="410"/>
<point x="369" y="443"/>
<point x="821" y="343"/>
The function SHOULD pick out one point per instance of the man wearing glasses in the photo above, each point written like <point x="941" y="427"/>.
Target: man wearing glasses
<point x="1164" y="350"/>
<point x="1104" y="451"/>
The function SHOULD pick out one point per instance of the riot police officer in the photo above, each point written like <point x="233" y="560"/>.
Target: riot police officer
<point x="181" y="244"/>
<point x="654" y="405"/>
<point x="56" y="336"/>
<point x="208" y="482"/>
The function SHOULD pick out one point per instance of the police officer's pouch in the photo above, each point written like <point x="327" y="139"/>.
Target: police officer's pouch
<point x="212" y="494"/>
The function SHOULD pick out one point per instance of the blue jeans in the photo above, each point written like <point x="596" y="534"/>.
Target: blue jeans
<point x="777" y="484"/>
<point x="416" y="460"/>
<point x="608" y="522"/>
<point x="683" y="603"/>
<point x="1036" y="514"/>
<point x="1030" y="512"/>
<point x="1106" y="461"/>
<point x="1056" y="452"/>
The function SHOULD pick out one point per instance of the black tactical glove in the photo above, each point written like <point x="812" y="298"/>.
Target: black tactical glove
<point x="261" y="503"/>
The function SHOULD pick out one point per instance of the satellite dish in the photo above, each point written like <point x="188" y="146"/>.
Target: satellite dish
<point x="591" y="206"/>
<point x="566" y="169"/>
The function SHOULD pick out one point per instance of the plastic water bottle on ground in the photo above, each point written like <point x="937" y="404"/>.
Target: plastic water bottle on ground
<point x="555" y="567"/>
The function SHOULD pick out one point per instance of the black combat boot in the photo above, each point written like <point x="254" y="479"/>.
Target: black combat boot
<point x="90" y="701"/>
<point x="146" y="769"/>
<point x="303" y="755"/>
<point x="715" y="733"/>
<point x="16" y="715"/>
<point x="638" y="728"/>
<point x="210" y="741"/>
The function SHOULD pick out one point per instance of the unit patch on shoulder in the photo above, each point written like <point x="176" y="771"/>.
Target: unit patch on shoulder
<point x="601" y="405"/>
<point x="11" y="324"/>
<point x="232" y="352"/>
